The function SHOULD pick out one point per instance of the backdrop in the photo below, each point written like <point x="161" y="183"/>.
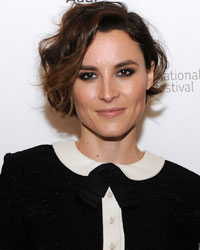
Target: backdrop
<point x="170" y="125"/>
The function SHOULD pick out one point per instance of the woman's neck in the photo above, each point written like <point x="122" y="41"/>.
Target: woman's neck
<point x="121" y="151"/>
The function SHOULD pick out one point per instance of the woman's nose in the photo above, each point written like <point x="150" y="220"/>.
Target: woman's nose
<point x="108" y="90"/>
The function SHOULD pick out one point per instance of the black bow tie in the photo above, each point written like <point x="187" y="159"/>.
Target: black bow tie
<point x="99" y="179"/>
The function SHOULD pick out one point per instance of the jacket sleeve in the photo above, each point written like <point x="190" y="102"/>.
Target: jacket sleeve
<point x="193" y="204"/>
<point x="196" y="216"/>
<point x="12" y="231"/>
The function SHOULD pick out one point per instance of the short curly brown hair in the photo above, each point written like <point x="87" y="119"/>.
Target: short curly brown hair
<point x="62" y="54"/>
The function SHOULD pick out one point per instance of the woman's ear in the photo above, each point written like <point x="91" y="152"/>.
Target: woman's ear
<point x="150" y="76"/>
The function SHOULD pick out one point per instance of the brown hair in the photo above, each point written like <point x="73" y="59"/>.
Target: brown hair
<point x="62" y="54"/>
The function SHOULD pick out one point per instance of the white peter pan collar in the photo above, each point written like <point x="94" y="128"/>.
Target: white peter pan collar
<point x="67" y="152"/>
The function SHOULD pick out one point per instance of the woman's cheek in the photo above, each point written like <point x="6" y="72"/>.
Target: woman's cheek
<point x="84" y="97"/>
<point x="135" y="91"/>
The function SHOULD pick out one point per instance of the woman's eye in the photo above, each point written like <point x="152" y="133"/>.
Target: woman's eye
<point x="87" y="76"/>
<point x="125" y="72"/>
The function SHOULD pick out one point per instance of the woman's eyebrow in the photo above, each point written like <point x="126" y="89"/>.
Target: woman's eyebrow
<point x="121" y="64"/>
<point x="85" y="67"/>
<point x="125" y="63"/>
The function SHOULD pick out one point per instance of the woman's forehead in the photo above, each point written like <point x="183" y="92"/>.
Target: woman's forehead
<point x="111" y="48"/>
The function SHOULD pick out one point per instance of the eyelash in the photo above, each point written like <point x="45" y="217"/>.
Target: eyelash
<point x="89" y="75"/>
<point x="131" y="72"/>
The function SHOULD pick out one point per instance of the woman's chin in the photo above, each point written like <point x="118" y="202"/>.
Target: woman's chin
<point x="109" y="132"/>
<point x="113" y="134"/>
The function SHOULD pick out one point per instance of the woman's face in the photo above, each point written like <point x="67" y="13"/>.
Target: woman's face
<point x="109" y="93"/>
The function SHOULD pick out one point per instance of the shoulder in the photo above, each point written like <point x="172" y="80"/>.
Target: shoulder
<point x="179" y="172"/>
<point x="27" y="160"/>
<point x="37" y="151"/>
<point x="181" y="182"/>
<point x="181" y="188"/>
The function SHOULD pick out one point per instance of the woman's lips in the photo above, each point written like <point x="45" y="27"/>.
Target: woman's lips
<point x="110" y="113"/>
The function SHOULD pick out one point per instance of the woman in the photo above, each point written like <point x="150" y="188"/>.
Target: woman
<point x="101" y="192"/>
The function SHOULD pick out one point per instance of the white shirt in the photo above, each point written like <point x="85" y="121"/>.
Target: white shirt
<point x="147" y="167"/>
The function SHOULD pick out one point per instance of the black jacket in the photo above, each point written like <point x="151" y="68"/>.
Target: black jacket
<point x="46" y="206"/>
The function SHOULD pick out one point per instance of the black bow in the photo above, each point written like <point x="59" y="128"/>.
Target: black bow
<point x="99" y="179"/>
